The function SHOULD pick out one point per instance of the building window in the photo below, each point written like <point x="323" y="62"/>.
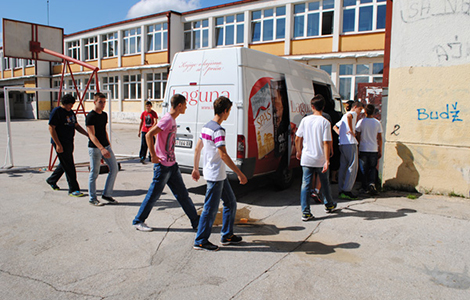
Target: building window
<point x="156" y="84"/>
<point x="110" y="44"/>
<point x="91" y="48"/>
<point x="92" y="86"/>
<point x="196" y="34"/>
<point x="131" y="41"/>
<point x="29" y="62"/>
<point x="17" y="63"/>
<point x="229" y="30"/>
<point x="350" y="75"/>
<point x="73" y="49"/>
<point x="6" y="63"/>
<point x="157" y="37"/>
<point x="71" y="86"/>
<point x="268" y="24"/>
<point x="132" y="87"/>
<point x="313" y="18"/>
<point x="55" y="95"/>
<point x="363" y="15"/>
<point x="112" y="84"/>
<point x="326" y="68"/>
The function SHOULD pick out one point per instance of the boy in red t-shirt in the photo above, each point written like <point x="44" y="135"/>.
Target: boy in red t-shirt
<point x="147" y="120"/>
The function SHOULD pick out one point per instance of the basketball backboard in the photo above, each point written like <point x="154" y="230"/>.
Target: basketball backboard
<point x="18" y="37"/>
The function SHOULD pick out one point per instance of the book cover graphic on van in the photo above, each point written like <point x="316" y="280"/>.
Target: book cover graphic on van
<point x="268" y="99"/>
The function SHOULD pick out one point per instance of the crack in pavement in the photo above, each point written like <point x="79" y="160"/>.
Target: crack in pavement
<point x="152" y="258"/>
<point x="50" y="285"/>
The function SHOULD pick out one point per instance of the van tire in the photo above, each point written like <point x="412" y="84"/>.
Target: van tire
<point x="283" y="178"/>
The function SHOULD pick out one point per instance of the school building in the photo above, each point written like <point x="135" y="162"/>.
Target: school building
<point x="343" y="37"/>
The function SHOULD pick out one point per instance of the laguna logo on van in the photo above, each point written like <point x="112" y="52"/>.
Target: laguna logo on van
<point x="197" y="96"/>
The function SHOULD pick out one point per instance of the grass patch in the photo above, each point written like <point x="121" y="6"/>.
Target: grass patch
<point x="412" y="197"/>
<point x="452" y="194"/>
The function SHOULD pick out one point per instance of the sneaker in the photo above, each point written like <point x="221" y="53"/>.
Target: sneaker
<point x="234" y="239"/>
<point x="54" y="186"/>
<point x="315" y="197"/>
<point x="372" y="190"/>
<point x="142" y="227"/>
<point x="307" y="217"/>
<point x="347" y="196"/>
<point x="208" y="246"/>
<point x="76" y="194"/>
<point x="110" y="200"/>
<point x="96" y="203"/>
<point x="142" y="161"/>
<point x="330" y="208"/>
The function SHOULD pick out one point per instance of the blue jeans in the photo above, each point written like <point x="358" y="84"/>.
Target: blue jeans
<point x="307" y="184"/>
<point x="163" y="175"/>
<point x="95" y="162"/>
<point x="217" y="190"/>
<point x="368" y="166"/>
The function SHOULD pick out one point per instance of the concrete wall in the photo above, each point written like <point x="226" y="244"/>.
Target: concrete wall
<point x="429" y="97"/>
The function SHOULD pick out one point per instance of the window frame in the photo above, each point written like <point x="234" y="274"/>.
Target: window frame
<point x="127" y="45"/>
<point x="73" y="49"/>
<point x="111" y="86"/>
<point x="202" y="29"/>
<point x="154" y="82"/>
<point x="110" y="43"/>
<point x="356" y="8"/>
<point x="151" y="37"/>
<point x="128" y="84"/>
<point x="306" y="13"/>
<point x="355" y="77"/>
<point x="236" y="28"/>
<point x="90" y="46"/>
<point x="262" y="20"/>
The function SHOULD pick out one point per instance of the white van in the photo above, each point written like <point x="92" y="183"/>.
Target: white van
<point x="270" y="96"/>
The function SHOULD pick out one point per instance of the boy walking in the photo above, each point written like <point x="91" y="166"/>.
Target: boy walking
<point x="147" y="119"/>
<point x="99" y="148"/>
<point x="369" y="136"/>
<point x="166" y="170"/>
<point x="312" y="143"/>
<point x="346" y="129"/>
<point x="62" y="126"/>
<point x="212" y="139"/>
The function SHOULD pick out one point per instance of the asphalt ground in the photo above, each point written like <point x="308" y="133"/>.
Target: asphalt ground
<point x="52" y="246"/>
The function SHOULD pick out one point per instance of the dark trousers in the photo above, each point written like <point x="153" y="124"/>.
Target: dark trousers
<point x="67" y="166"/>
<point x="368" y="166"/>
<point x="143" y="146"/>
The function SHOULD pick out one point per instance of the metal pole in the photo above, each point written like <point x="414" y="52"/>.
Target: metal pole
<point x="7" y="119"/>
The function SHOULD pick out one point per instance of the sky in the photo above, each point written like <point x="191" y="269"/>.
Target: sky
<point x="74" y="16"/>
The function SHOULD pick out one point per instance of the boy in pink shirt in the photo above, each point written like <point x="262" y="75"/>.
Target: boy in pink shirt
<point x="166" y="170"/>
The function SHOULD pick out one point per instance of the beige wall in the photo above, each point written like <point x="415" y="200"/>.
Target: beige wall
<point x="362" y="42"/>
<point x="276" y="48"/>
<point x="307" y="46"/>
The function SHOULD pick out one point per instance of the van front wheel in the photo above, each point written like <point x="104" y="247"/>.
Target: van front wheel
<point x="284" y="178"/>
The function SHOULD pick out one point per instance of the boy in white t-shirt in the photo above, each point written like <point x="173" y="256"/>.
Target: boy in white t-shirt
<point x="346" y="129"/>
<point x="212" y="139"/>
<point x="312" y="143"/>
<point x="369" y="136"/>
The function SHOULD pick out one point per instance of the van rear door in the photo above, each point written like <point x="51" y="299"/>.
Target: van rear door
<point x="202" y="77"/>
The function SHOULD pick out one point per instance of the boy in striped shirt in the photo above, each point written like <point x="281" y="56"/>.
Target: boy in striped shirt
<point x="212" y="139"/>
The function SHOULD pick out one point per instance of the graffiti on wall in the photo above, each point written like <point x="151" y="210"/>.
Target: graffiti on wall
<point x="435" y="32"/>
<point x="449" y="113"/>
